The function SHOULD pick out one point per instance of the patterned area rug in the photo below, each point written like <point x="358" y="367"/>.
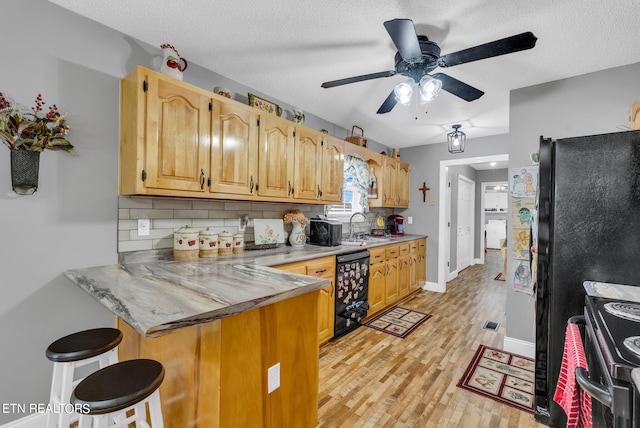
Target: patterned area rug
<point x="499" y="277"/>
<point x="398" y="321"/>
<point x="502" y="376"/>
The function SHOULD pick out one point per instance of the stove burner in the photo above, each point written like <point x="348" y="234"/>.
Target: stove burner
<point x="633" y="344"/>
<point x="627" y="310"/>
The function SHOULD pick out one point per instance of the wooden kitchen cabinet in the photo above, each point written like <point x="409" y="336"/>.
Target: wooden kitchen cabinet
<point x="180" y="140"/>
<point x="377" y="280"/>
<point x="322" y="268"/>
<point x="164" y="136"/>
<point x="393" y="188"/>
<point x="332" y="169"/>
<point x="405" y="284"/>
<point x="276" y="157"/>
<point x="391" y="289"/>
<point x="421" y="269"/>
<point x="308" y="169"/>
<point x="234" y="149"/>
<point x="402" y="184"/>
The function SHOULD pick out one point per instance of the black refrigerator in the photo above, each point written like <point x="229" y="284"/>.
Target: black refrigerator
<point x="588" y="229"/>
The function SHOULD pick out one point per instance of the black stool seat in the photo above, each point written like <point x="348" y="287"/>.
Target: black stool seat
<point x="84" y="344"/>
<point x="118" y="386"/>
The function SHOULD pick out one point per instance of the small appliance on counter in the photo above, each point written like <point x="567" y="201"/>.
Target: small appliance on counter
<point x="395" y="223"/>
<point x="379" y="228"/>
<point x="325" y="232"/>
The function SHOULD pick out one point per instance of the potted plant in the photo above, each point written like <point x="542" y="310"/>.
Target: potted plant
<point x="27" y="133"/>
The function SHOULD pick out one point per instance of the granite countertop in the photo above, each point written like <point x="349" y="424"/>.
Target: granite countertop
<point x="157" y="296"/>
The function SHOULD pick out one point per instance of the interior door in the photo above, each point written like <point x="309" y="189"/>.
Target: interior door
<point x="466" y="205"/>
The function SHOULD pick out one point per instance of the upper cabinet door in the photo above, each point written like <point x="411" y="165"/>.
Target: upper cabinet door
<point x="234" y="148"/>
<point x="402" y="184"/>
<point x="176" y="136"/>
<point x="307" y="152"/>
<point x="275" y="157"/>
<point x="332" y="169"/>
<point x="389" y="190"/>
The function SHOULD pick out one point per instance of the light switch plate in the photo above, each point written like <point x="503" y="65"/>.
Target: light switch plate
<point x="273" y="378"/>
<point x="409" y="220"/>
<point x="143" y="227"/>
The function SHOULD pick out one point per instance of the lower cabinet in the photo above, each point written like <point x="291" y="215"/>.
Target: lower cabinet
<point x="395" y="271"/>
<point x="405" y="282"/>
<point x="324" y="267"/>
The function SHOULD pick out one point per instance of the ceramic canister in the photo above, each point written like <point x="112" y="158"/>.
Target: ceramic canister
<point x="225" y="243"/>
<point x="208" y="243"/>
<point x="238" y="243"/>
<point x="185" y="244"/>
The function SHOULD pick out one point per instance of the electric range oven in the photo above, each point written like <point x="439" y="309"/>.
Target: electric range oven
<point x="612" y="349"/>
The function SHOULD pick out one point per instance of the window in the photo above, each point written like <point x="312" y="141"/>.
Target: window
<point x="354" y="189"/>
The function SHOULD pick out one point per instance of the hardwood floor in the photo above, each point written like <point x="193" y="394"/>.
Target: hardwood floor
<point x="372" y="379"/>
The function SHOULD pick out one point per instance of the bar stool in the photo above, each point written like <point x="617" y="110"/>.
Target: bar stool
<point x="97" y="346"/>
<point x="104" y="398"/>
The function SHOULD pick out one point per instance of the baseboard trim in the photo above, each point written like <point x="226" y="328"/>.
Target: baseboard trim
<point x="452" y="275"/>
<point x="37" y="420"/>
<point x="520" y="347"/>
<point x="433" y="286"/>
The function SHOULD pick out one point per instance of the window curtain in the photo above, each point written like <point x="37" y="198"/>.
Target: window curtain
<point x="358" y="169"/>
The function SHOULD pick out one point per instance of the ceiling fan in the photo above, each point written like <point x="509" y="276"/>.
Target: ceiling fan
<point x="417" y="56"/>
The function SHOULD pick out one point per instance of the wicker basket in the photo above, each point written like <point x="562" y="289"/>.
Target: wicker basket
<point x="358" y="140"/>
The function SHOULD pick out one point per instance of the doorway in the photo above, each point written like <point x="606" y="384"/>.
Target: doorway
<point x="443" y="219"/>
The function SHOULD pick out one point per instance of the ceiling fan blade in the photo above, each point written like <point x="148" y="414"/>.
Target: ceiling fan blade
<point x="519" y="42"/>
<point x="458" y="88"/>
<point x="388" y="104"/>
<point x="355" y="79"/>
<point x="403" y="34"/>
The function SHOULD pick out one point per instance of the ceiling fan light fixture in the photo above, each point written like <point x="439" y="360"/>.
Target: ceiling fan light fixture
<point x="429" y="88"/>
<point x="404" y="91"/>
<point x="456" y="140"/>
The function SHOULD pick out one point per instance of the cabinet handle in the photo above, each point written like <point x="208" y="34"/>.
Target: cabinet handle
<point x="319" y="192"/>
<point x="332" y="287"/>
<point x="398" y="198"/>
<point x="289" y="193"/>
<point x="318" y="272"/>
<point x="202" y="178"/>
<point x="251" y="185"/>
<point x="341" y="193"/>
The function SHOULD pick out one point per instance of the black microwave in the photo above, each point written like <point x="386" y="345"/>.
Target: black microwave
<point x="327" y="233"/>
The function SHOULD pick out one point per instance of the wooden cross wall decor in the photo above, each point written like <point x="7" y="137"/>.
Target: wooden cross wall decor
<point x="424" y="189"/>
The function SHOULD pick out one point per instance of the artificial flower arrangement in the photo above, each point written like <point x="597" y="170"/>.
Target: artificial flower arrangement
<point x="22" y="129"/>
<point x="295" y="215"/>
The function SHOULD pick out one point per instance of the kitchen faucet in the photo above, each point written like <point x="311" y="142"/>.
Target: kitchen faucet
<point x="351" y="222"/>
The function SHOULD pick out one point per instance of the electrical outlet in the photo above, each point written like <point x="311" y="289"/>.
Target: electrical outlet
<point x="241" y="225"/>
<point x="409" y="220"/>
<point x="143" y="227"/>
<point x="273" y="378"/>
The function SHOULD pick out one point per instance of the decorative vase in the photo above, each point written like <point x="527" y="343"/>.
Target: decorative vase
<point x="172" y="65"/>
<point x="24" y="171"/>
<point x="298" y="116"/>
<point x="298" y="237"/>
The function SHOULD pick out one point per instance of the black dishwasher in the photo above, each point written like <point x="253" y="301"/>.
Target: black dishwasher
<point x="352" y="288"/>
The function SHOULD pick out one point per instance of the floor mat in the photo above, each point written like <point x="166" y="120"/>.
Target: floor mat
<point x="501" y="376"/>
<point x="398" y="321"/>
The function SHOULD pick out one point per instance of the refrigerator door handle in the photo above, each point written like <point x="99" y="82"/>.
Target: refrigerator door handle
<point x="594" y="389"/>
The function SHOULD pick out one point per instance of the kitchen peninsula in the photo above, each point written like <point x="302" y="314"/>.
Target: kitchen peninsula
<point x="217" y="326"/>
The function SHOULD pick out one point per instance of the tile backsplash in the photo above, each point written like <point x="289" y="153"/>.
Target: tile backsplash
<point x="168" y="214"/>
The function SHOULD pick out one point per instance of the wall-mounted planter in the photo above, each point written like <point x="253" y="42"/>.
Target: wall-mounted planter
<point x="24" y="171"/>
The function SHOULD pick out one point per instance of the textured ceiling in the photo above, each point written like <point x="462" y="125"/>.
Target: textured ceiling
<point x="287" y="49"/>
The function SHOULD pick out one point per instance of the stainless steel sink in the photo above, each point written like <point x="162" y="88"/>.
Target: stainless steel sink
<point x="364" y="240"/>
